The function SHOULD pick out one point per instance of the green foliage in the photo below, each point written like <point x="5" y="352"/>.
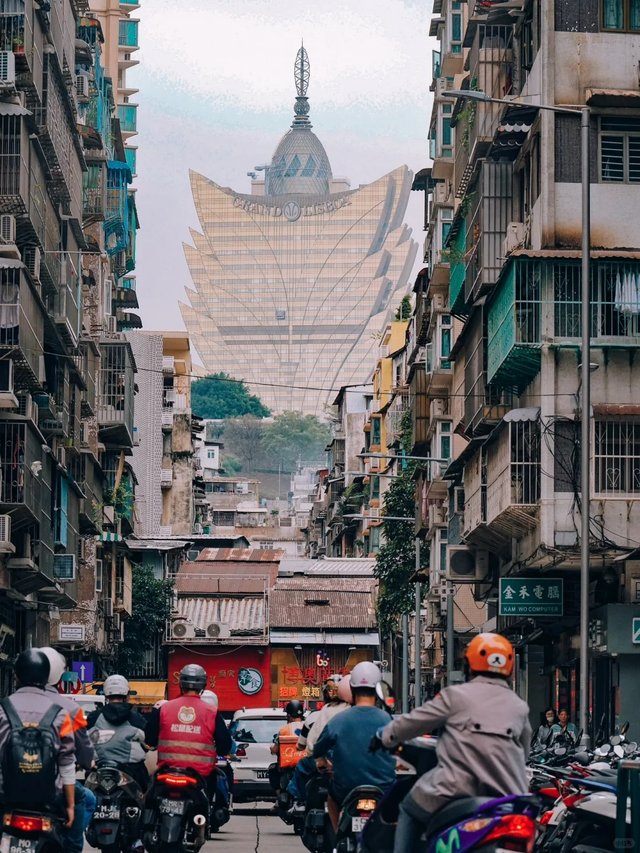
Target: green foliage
<point x="404" y="309"/>
<point x="293" y="436"/>
<point x="396" y="559"/>
<point x="231" y="464"/>
<point x="243" y="439"/>
<point x="151" y="608"/>
<point x="221" y="396"/>
<point x="351" y="500"/>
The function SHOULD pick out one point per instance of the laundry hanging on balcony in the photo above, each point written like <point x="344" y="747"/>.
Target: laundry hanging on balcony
<point x="627" y="294"/>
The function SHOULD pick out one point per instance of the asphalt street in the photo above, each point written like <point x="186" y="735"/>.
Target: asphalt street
<point x="254" y="831"/>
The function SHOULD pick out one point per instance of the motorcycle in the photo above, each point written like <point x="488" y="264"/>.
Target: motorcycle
<point x="359" y="805"/>
<point x="176" y="815"/>
<point x="288" y="757"/>
<point x="29" y="831"/>
<point x="115" y="823"/>
<point x="317" y="832"/>
<point x="220" y="811"/>
<point x="481" y="824"/>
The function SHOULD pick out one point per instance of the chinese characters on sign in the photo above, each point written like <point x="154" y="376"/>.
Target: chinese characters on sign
<point x="298" y="683"/>
<point x="531" y="596"/>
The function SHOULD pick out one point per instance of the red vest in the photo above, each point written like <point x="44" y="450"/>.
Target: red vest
<point x="187" y="727"/>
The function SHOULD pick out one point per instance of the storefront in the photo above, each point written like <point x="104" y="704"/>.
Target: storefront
<point x="240" y="676"/>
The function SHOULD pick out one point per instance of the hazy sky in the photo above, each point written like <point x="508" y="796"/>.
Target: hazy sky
<point x="217" y="92"/>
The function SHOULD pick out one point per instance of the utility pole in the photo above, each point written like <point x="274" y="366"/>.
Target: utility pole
<point x="450" y="633"/>
<point x="418" y="644"/>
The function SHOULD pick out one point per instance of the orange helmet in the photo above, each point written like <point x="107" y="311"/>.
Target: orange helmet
<point x="491" y="653"/>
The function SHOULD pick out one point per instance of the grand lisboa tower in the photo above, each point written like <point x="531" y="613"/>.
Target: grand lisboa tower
<point x="293" y="283"/>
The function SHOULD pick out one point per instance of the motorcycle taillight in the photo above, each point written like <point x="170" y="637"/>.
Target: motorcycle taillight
<point x="27" y="823"/>
<point x="515" y="831"/>
<point x="175" y="780"/>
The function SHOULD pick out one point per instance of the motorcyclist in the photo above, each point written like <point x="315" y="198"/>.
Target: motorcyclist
<point x="483" y="746"/>
<point x="118" y="731"/>
<point x="346" y="737"/>
<point x="292" y="728"/>
<point x="225" y="784"/>
<point x="338" y="698"/>
<point x="31" y="702"/>
<point x="188" y="731"/>
<point x="85" y="799"/>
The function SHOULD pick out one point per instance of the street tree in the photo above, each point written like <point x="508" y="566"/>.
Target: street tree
<point x="151" y="605"/>
<point x="222" y="396"/>
<point x="293" y="437"/>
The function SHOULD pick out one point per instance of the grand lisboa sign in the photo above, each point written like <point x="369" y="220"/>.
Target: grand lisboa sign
<point x="291" y="210"/>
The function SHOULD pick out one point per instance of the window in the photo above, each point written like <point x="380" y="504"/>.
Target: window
<point x="617" y="456"/>
<point x="99" y="576"/>
<point x="620" y="149"/>
<point x="444" y="439"/>
<point x="375" y="488"/>
<point x="621" y="15"/>
<point x="211" y="454"/>
<point x="375" y="431"/>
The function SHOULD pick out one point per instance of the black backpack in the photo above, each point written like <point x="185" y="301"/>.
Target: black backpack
<point x="29" y="762"/>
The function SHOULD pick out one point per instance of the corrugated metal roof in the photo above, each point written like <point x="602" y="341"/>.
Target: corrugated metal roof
<point x="327" y="638"/>
<point x="249" y="555"/>
<point x="243" y="615"/>
<point x="156" y="544"/>
<point x="323" y="603"/>
<point x="338" y="567"/>
<point x="209" y="578"/>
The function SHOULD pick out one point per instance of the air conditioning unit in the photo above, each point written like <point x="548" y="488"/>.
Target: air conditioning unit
<point x="107" y="607"/>
<point x="136" y="436"/>
<point x="5" y="529"/>
<point x="7" y="68"/>
<point x="437" y="514"/>
<point x="116" y="621"/>
<point x="112" y="325"/>
<point x="64" y="567"/>
<point x="82" y="85"/>
<point x="218" y="631"/>
<point x="7" y="224"/>
<point x="438" y="303"/>
<point x="440" y="192"/>
<point x="32" y="259"/>
<point x="182" y="630"/>
<point x="438" y="408"/>
<point x="514" y="237"/>
<point x="465" y="565"/>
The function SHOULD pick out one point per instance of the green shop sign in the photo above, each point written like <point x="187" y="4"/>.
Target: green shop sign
<point x="531" y="596"/>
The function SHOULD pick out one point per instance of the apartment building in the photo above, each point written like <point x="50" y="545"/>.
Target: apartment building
<point x="67" y="376"/>
<point x="503" y="236"/>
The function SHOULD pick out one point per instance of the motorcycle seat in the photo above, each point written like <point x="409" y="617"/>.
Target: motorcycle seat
<point x="455" y="811"/>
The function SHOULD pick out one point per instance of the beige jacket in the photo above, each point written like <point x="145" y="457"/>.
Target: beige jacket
<point x="483" y="746"/>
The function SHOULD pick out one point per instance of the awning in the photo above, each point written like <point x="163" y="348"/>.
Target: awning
<point x="11" y="264"/>
<point x="108" y="536"/>
<point x="9" y="109"/>
<point x="613" y="97"/>
<point x="329" y="638"/>
<point x="147" y="692"/>
<point x="630" y="410"/>
<point x="576" y="254"/>
<point x="532" y="413"/>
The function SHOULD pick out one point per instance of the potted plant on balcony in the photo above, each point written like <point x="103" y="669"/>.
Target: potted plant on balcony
<point x="17" y="44"/>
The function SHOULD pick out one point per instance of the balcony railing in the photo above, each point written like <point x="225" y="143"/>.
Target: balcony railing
<point x="14" y="175"/>
<point x="541" y="299"/>
<point x="513" y="477"/>
<point x="16" y="34"/>
<point x="491" y="70"/>
<point x="115" y="407"/>
<point x="128" y="115"/>
<point x="21" y="325"/>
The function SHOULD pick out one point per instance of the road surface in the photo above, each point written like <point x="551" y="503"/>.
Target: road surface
<point x="254" y="830"/>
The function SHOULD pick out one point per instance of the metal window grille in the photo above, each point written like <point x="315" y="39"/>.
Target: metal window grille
<point x="620" y="149"/>
<point x="617" y="456"/>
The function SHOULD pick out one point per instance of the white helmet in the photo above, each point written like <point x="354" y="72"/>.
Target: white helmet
<point x="116" y="685"/>
<point x="365" y="674"/>
<point x="57" y="664"/>
<point x="210" y="698"/>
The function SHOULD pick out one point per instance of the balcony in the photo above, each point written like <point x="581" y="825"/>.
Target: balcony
<point x="513" y="475"/>
<point x="484" y="405"/>
<point x="21" y="324"/>
<point x="115" y="405"/>
<point x="66" y="314"/>
<point x="490" y="71"/>
<point x="14" y="174"/>
<point x="22" y="494"/>
<point x="128" y="35"/>
<point x="128" y="115"/>
<point x="131" y="155"/>
<point x="540" y="299"/>
<point x="166" y="478"/>
<point x="16" y="34"/>
<point x="93" y="193"/>
<point x="116" y="216"/>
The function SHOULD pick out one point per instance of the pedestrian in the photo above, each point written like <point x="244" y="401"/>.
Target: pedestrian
<point x="564" y="731"/>
<point x="544" y="733"/>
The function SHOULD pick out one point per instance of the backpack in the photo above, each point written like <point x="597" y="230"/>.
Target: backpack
<point x="29" y="758"/>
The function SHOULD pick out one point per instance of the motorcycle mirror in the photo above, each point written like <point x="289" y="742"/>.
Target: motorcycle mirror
<point x="624" y="728"/>
<point x="631" y="746"/>
<point x="615" y="740"/>
<point x="582" y="758"/>
<point x="605" y="749"/>
<point x="619" y="750"/>
<point x="560" y="750"/>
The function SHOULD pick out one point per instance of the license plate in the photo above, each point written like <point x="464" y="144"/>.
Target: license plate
<point x="172" y="806"/>
<point x="17" y="845"/>
<point x="262" y="774"/>
<point x="357" y="823"/>
<point x="104" y="812"/>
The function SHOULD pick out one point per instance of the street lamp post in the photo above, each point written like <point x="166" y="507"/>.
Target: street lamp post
<point x="585" y="374"/>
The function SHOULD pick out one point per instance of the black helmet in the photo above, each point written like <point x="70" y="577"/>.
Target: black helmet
<point x="193" y="677"/>
<point x="32" y="668"/>
<point x="294" y="709"/>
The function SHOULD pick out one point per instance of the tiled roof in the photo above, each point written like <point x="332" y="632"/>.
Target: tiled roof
<point x="323" y="603"/>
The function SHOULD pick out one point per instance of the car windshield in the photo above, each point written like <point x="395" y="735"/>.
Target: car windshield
<point x="249" y="730"/>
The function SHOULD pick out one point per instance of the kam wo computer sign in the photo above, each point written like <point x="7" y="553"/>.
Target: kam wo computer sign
<point x="531" y="597"/>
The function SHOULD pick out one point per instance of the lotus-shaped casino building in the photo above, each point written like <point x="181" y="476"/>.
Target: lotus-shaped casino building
<point x="294" y="282"/>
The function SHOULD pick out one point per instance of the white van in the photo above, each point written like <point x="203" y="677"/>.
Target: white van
<point x="89" y="701"/>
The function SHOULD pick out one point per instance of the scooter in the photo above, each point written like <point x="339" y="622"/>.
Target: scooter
<point x="317" y="833"/>
<point x="176" y="815"/>
<point x="470" y="823"/>
<point x="115" y="824"/>
<point x="30" y="831"/>
<point x="359" y="805"/>
<point x="220" y="811"/>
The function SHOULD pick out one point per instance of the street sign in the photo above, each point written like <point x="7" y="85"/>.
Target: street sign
<point x="84" y="669"/>
<point x="531" y="597"/>
<point x="635" y="630"/>
<point x="71" y="633"/>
